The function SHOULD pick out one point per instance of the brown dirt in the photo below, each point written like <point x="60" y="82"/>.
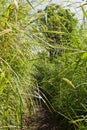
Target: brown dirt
<point x="46" y="120"/>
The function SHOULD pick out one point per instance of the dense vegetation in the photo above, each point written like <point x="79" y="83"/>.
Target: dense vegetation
<point x="41" y="50"/>
<point x="15" y="65"/>
<point x="61" y="71"/>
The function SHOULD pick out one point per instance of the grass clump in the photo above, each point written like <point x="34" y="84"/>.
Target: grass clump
<point x="61" y="70"/>
<point x="15" y="53"/>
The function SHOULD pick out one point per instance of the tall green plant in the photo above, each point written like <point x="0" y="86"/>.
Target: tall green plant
<point x="15" y="66"/>
<point x="56" y="25"/>
<point x="64" y="76"/>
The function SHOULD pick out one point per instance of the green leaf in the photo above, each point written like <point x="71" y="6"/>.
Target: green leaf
<point x="30" y="3"/>
<point x="84" y="55"/>
<point x="84" y="12"/>
<point x="55" y="32"/>
<point x="2" y="88"/>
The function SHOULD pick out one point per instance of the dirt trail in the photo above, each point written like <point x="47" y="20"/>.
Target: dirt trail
<point x="45" y="120"/>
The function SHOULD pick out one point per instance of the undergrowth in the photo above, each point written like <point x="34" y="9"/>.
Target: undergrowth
<point x="43" y="55"/>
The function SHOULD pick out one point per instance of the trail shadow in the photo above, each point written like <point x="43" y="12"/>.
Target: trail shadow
<point x="46" y="120"/>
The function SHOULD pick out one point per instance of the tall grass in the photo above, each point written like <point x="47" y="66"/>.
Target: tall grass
<point x="15" y="63"/>
<point x="26" y="64"/>
<point x="63" y="76"/>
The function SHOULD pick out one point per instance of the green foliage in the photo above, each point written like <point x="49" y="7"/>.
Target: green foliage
<point x="15" y="67"/>
<point x="64" y="77"/>
<point x="57" y="24"/>
<point x="44" y="50"/>
<point x="64" y="80"/>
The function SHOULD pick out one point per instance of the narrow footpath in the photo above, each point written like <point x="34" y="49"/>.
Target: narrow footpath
<point x="45" y="120"/>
